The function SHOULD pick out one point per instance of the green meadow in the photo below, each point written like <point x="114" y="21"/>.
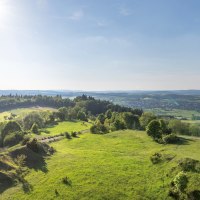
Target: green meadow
<point x="67" y="126"/>
<point x="110" y="167"/>
<point x="21" y="112"/>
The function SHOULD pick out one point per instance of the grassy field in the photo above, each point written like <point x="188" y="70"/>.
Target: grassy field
<point x="22" y="112"/>
<point x="67" y="126"/>
<point x="175" y="112"/>
<point x="107" y="167"/>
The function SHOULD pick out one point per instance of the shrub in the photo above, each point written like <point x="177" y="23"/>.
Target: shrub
<point x="154" y="129"/>
<point x="32" y="118"/>
<point x="10" y="127"/>
<point x="35" y="128"/>
<point x="25" y="140"/>
<point x="12" y="139"/>
<point x="189" y="164"/>
<point x="67" y="135"/>
<point x="170" y="139"/>
<point x="99" y="129"/>
<point x="156" y="158"/>
<point x="194" y="195"/>
<point x="74" y="134"/>
<point x="180" y="181"/>
<point x="33" y="145"/>
<point x="66" y="181"/>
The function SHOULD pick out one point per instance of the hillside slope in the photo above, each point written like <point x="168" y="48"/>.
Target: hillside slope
<point x="112" y="166"/>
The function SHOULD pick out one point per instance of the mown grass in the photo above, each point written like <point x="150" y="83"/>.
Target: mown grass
<point x="112" y="166"/>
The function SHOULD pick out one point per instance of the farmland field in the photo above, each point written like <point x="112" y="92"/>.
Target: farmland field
<point x="112" y="166"/>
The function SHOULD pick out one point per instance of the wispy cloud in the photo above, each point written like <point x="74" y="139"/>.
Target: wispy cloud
<point x="125" y="11"/>
<point x="42" y="3"/>
<point x="77" y="15"/>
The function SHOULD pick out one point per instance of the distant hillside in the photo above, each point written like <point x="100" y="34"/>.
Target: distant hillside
<point x="175" y="99"/>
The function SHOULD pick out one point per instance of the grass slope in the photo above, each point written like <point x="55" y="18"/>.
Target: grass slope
<point x="113" y="166"/>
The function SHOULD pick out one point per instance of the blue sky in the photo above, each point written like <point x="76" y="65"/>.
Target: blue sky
<point x="100" y="44"/>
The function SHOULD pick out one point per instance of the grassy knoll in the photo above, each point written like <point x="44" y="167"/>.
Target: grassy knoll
<point x="67" y="126"/>
<point x="112" y="166"/>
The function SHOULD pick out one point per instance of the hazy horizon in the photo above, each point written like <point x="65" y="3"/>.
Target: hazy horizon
<point x="99" y="45"/>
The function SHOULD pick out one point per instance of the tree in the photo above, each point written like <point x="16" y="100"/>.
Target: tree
<point x="154" y="129"/>
<point x="146" y="118"/>
<point x="108" y="114"/>
<point x="32" y="118"/>
<point x="131" y="121"/>
<point x="82" y="116"/>
<point x="10" y="127"/>
<point x="180" y="181"/>
<point x="118" y="125"/>
<point x="34" y="128"/>
<point x="101" y="118"/>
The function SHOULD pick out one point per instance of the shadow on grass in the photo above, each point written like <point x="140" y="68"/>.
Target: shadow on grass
<point x="5" y="182"/>
<point x="38" y="163"/>
<point x="183" y="141"/>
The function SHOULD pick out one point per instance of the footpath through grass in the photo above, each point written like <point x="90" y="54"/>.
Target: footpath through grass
<point x="110" y="167"/>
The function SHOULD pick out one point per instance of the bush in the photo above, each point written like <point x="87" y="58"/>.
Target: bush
<point x="66" y="181"/>
<point x="99" y="129"/>
<point x="67" y="135"/>
<point x="25" y="140"/>
<point x="189" y="164"/>
<point x="32" y="118"/>
<point x="180" y="181"/>
<point x="12" y="139"/>
<point x="156" y="158"/>
<point x="194" y="195"/>
<point x="33" y="145"/>
<point x="74" y="134"/>
<point x="154" y="129"/>
<point x="10" y="127"/>
<point x="35" y="129"/>
<point x="170" y="139"/>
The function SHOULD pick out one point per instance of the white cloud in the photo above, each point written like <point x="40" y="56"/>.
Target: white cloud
<point x="77" y="15"/>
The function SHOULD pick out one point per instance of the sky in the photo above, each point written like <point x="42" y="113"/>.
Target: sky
<point x="99" y="44"/>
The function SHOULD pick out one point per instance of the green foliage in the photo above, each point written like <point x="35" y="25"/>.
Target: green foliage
<point x="131" y="121"/>
<point x="180" y="181"/>
<point x="156" y="158"/>
<point x="32" y="118"/>
<point x="101" y="118"/>
<point x="99" y="129"/>
<point x="35" y="128"/>
<point x="146" y="118"/>
<point x="154" y="129"/>
<point x="170" y="139"/>
<point x="12" y="139"/>
<point x="189" y="165"/>
<point x="74" y="134"/>
<point x="10" y="127"/>
<point x="67" y="135"/>
<point x="118" y="125"/>
<point x="82" y="116"/>
<point x="179" y="127"/>
<point x="33" y="145"/>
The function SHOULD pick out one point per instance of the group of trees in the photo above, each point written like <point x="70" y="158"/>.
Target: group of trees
<point x="115" y="121"/>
